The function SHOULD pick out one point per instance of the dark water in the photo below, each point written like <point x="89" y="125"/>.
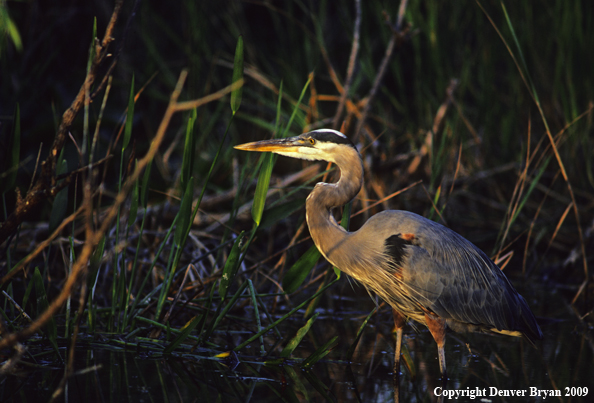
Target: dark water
<point x="488" y="369"/>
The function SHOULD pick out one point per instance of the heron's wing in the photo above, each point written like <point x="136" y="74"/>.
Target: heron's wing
<point x="428" y="267"/>
<point x="456" y="280"/>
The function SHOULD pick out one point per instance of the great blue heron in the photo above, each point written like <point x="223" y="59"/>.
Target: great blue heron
<point x="424" y="270"/>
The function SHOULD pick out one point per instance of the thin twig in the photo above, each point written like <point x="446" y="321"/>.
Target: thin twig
<point x="396" y="193"/>
<point x="93" y="237"/>
<point x="396" y="33"/>
<point x="196" y="103"/>
<point x="40" y="247"/>
<point x="554" y="147"/>
<point x="118" y="51"/>
<point x="39" y="192"/>
<point x="351" y="66"/>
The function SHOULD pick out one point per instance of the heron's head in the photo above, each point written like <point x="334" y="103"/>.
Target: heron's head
<point x="323" y="144"/>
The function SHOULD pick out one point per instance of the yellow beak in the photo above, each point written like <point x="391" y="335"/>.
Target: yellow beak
<point x="279" y="145"/>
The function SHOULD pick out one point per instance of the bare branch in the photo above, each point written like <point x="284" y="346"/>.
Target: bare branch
<point x="93" y="237"/>
<point x="40" y="191"/>
<point x="351" y="66"/>
<point x="397" y="33"/>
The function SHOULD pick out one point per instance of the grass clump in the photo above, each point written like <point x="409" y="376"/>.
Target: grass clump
<point x="181" y="249"/>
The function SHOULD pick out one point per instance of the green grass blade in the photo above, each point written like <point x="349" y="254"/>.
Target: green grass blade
<point x="168" y="277"/>
<point x="346" y="215"/>
<point x="351" y="349"/>
<point x="92" y="283"/>
<point x="185" y="332"/>
<point x="273" y="215"/>
<point x="184" y="218"/>
<point x="530" y="83"/>
<point x="278" y="109"/>
<point x="42" y="306"/>
<point x="297" y="384"/>
<point x="262" y="187"/>
<point x="294" y="342"/>
<point x="237" y="75"/>
<point x="262" y="123"/>
<point x="189" y="147"/>
<point x="315" y="302"/>
<point x="27" y="294"/>
<point x="203" y="330"/>
<point x="231" y="266"/>
<point x="300" y="270"/>
<point x="252" y="291"/>
<point x="269" y="158"/>
<point x="153" y="264"/>
<point x="318" y="385"/>
<point x="320" y="353"/>
<point x="118" y="274"/>
<point x="185" y="215"/>
<point x="60" y="203"/>
<point x="96" y="261"/>
<point x="296" y="108"/>
<point x="133" y="203"/>
<point x="519" y="48"/>
<point x="216" y="158"/>
<point x="227" y="308"/>
<point x="435" y="210"/>
<point x="129" y="117"/>
<point x="145" y="182"/>
<point x="284" y="317"/>
<point x="533" y="184"/>
<point x="135" y="265"/>
<point x="10" y="28"/>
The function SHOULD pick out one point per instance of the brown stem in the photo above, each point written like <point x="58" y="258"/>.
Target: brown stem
<point x="396" y="34"/>
<point x="351" y="66"/>
<point x="93" y="237"/>
<point x="40" y="191"/>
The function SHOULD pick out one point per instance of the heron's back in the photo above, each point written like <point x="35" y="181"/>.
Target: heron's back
<point x="421" y="266"/>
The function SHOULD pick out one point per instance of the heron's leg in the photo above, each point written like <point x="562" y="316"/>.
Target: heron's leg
<point x="399" y="322"/>
<point x="437" y="327"/>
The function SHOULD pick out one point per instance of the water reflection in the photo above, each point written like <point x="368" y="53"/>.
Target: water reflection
<point x="480" y="368"/>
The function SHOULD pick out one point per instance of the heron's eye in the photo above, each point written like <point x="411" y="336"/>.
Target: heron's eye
<point x="312" y="141"/>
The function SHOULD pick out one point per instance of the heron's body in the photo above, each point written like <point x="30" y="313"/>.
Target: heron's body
<point x="424" y="270"/>
<point x="417" y="277"/>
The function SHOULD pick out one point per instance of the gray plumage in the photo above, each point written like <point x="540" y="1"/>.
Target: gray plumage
<point x="424" y="270"/>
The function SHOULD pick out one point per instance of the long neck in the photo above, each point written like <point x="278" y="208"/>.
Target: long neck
<point x="325" y="232"/>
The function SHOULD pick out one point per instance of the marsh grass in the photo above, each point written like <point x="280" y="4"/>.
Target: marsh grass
<point x="185" y="251"/>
